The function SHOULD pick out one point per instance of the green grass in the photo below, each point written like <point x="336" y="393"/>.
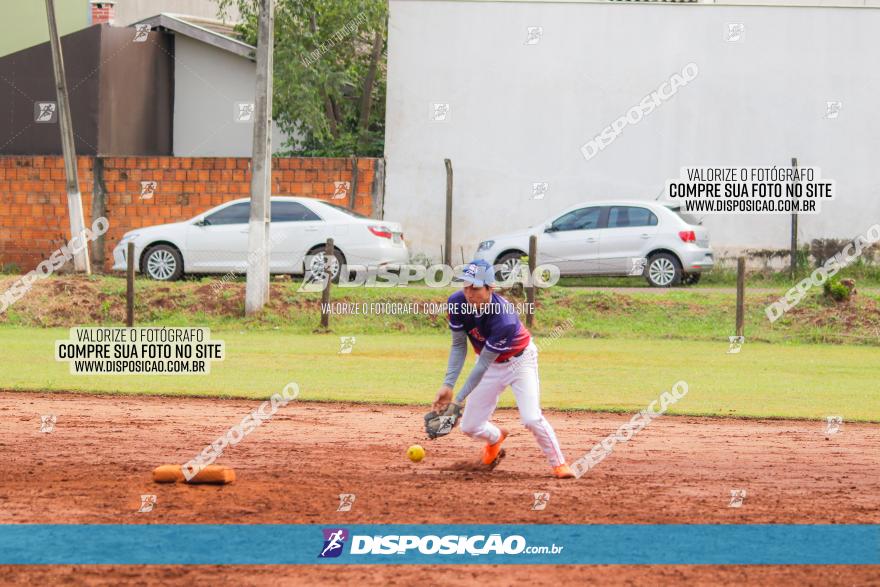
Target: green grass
<point x="677" y="314"/>
<point x="793" y="381"/>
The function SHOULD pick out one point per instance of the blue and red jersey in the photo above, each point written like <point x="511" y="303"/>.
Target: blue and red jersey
<point x="496" y="326"/>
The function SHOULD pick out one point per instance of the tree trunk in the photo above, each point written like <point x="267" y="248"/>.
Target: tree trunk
<point x="329" y="109"/>
<point x="330" y="113"/>
<point x="367" y="97"/>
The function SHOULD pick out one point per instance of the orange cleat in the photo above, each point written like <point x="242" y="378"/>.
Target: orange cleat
<point x="491" y="451"/>
<point x="563" y="471"/>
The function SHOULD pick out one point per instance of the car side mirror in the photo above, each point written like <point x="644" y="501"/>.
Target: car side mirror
<point x="549" y="228"/>
<point x="202" y="222"/>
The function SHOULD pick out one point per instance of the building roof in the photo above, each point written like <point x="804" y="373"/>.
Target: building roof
<point x="207" y="30"/>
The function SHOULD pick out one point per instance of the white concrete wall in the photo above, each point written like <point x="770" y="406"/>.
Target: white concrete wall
<point x="129" y="11"/>
<point x="519" y="112"/>
<point x="859" y="3"/>
<point x="208" y="84"/>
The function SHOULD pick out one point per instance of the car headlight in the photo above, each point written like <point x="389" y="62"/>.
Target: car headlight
<point x="485" y="245"/>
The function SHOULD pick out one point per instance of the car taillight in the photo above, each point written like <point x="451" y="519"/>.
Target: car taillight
<point x="687" y="236"/>
<point x="380" y="231"/>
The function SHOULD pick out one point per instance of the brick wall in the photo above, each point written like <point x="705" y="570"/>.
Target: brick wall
<point x="102" y="12"/>
<point x="33" y="199"/>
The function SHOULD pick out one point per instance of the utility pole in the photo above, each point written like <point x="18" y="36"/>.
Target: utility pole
<point x="74" y="198"/>
<point x="257" y="288"/>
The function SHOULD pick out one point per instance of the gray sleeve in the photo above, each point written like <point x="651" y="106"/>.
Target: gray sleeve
<point x="457" y="354"/>
<point x="486" y="359"/>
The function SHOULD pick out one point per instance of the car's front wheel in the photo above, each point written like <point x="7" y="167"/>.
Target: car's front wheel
<point x="508" y="264"/>
<point x="163" y="263"/>
<point x="663" y="270"/>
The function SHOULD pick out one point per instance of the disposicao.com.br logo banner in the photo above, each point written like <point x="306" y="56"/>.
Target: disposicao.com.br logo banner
<point x="430" y="544"/>
<point x="480" y="544"/>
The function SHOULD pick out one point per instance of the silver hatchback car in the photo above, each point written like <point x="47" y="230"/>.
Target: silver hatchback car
<point x="613" y="238"/>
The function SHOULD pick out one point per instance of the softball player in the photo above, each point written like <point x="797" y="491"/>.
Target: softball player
<point x="506" y="356"/>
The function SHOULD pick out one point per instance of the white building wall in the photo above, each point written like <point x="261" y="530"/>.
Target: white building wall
<point x="859" y="3"/>
<point x="519" y="113"/>
<point x="208" y="84"/>
<point x="127" y="12"/>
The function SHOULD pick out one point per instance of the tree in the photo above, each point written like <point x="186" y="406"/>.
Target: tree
<point x="330" y="68"/>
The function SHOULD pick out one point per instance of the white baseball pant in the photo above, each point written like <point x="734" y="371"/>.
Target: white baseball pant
<point x="521" y="374"/>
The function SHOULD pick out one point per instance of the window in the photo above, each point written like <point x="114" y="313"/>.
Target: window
<point x="624" y="216"/>
<point x="692" y="220"/>
<point x="582" y="219"/>
<point x="291" y="212"/>
<point x="345" y="210"/>
<point x="234" y="214"/>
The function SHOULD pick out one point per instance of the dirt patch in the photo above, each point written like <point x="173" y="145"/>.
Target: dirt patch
<point x="442" y="576"/>
<point x="605" y="303"/>
<point x="96" y="463"/>
<point x="823" y="320"/>
<point x="77" y="300"/>
<point x="476" y="465"/>
<point x="860" y="313"/>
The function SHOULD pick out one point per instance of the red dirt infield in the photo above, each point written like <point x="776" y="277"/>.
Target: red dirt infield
<point x="97" y="462"/>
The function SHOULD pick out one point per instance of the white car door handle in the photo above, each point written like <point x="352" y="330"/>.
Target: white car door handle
<point x="592" y="239"/>
<point x="646" y="235"/>
<point x="311" y="228"/>
<point x="246" y="230"/>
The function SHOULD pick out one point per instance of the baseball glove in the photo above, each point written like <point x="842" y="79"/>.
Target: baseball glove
<point x="441" y="424"/>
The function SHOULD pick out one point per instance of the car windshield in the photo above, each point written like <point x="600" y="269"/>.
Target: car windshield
<point x="692" y="220"/>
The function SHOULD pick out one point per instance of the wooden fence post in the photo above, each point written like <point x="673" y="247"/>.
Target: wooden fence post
<point x="794" y="229"/>
<point x="447" y="249"/>
<point x="325" y="295"/>
<point x="129" y="286"/>
<point x="740" y="294"/>
<point x="530" y="291"/>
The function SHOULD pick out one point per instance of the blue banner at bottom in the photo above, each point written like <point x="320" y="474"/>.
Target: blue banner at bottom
<point x="289" y="544"/>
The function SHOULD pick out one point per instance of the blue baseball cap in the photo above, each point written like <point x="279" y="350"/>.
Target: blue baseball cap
<point x="478" y="272"/>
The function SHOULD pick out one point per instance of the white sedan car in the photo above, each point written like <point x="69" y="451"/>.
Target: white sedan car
<point x="660" y="242"/>
<point x="216" y="241"/>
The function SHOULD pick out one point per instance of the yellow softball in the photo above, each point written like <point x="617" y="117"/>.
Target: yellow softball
<point x="415" y="453"/>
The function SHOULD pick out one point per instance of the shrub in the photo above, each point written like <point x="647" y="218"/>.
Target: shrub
<point x="837" y="291"/>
